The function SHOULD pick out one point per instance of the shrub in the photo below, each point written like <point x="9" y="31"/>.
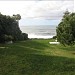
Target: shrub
<point x="54" y="37"/>
<point x="25" y="36"/>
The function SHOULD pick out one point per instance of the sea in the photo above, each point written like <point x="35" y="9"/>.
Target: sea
<point x="39" y="31"/>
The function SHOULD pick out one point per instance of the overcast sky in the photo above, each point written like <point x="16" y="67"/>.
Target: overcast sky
<point x="37" y="12"/>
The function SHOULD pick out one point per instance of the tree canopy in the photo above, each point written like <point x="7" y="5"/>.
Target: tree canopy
<point x="9" y="28"/>
<point x="66" y="29"/>
<point x="17" y="17"/>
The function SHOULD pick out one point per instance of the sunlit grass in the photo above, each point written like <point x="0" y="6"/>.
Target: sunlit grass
<point x="36" y="57"/>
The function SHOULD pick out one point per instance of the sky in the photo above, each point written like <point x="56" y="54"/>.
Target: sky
<point x="37" y="12"/>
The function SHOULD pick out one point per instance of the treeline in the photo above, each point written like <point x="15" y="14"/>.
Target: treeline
<point x="9" y="29"/>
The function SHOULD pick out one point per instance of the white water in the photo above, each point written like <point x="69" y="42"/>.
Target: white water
<point x="44" y="32"/>
<point x="39" y="36"/>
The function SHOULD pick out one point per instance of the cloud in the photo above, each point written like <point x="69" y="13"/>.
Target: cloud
<point x="52" y="9"/>
<point x="49" y="9"/>
<point x="37" y="0"/>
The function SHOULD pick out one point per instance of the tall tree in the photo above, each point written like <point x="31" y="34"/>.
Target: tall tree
<point x="66" y="29"/>
<point x="9" y="26"/>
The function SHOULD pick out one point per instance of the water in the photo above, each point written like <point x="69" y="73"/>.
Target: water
<point x="42" y="31"/>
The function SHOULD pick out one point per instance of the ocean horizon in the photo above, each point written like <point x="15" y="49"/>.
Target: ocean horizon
<point x="39" y="31"/>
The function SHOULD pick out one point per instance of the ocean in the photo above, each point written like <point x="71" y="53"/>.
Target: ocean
<point x="42" y="31"/>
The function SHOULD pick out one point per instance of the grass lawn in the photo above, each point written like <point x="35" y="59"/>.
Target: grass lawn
<point x="36" y="57"/>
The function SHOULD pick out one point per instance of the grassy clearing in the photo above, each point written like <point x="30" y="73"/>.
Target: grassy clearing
<point x="36" y="57"/>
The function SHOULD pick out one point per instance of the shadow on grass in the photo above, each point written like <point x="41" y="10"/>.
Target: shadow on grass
<point x="25" y="58"/>
<point x="68" y="48"/>
<point x="34" y="44"/>
<point x="33" y="64"/>
<point x="24" y="47"/>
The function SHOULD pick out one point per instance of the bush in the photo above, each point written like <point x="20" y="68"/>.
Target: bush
<point x="54" y="37"/>
<point x="8" y="38"/>
<point x="25" y="36"/>
<point x="5" y="38"/>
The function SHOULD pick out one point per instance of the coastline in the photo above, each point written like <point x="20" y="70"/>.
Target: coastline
<point x="32" y="36"/>
<point x="39" y="32"/>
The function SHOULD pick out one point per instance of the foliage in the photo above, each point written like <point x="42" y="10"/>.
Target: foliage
<point x="54" y="37"/>
<point x="8" y="38"/>
<point x="25" y="36"/>
<point x="66" y="29"/>
<point x="10" y="26"/>
<point x="17" y="17"/>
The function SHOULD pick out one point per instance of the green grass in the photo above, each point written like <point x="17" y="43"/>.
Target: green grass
<point x="36" y="57"/>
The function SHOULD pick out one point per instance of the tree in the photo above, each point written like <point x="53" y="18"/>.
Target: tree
<point x="9" y="29"/>
<point x="66" y="29"/>
<point x="17" y="17"/>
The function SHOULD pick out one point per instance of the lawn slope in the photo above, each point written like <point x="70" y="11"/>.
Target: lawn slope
<point x="36" y="57"/>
